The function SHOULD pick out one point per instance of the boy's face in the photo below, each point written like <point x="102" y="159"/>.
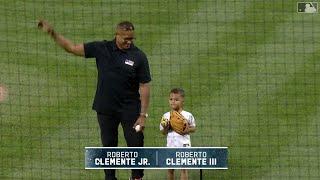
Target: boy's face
<point x="176" y="101"/>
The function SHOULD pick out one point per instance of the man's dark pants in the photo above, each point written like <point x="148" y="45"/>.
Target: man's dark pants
<point x="109" y="123"/>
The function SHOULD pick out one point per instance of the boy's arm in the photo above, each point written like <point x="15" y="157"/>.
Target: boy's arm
<point x="189" y="129"/>
<point x="165" y="130"/>
<point x="192" y="129"/>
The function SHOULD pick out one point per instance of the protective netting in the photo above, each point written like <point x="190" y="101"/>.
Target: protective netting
<point x="250" y="69"/>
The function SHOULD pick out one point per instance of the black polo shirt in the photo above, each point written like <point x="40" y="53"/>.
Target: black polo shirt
<point x="119" y="74"/>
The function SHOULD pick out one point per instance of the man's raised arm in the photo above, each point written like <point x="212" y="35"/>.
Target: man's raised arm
<point x="66" y="44"/>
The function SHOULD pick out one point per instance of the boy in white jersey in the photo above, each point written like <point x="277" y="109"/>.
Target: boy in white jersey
<point x="176" y="100"/>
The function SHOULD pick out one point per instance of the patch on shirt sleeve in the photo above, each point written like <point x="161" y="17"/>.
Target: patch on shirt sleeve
<point x="129" y="62"/>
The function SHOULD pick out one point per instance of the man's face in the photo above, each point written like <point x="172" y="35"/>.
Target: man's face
<point x="124" y="39"/>
<point x="176" y="101"/>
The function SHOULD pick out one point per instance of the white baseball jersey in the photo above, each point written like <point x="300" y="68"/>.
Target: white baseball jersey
<point x="176" y="140"/>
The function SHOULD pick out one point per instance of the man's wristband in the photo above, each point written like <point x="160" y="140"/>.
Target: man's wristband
<point x="144" y="115"/>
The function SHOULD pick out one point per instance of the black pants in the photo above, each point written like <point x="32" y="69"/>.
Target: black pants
<point x="109" y="123"/>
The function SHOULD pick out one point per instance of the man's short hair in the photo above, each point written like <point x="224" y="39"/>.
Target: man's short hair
<point x="178" y="91"/>
<point x="125" y="26"/>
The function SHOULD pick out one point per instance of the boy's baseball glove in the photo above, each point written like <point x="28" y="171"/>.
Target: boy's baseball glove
<point x="177" y="122"/>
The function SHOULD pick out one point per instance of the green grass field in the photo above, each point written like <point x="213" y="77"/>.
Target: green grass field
<point x="250" y="70"/>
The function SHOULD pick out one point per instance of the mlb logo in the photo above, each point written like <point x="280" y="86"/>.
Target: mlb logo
<point x="307" y="7"/>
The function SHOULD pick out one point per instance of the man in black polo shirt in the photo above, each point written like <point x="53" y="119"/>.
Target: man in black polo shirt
<point x="123" y="89"/>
